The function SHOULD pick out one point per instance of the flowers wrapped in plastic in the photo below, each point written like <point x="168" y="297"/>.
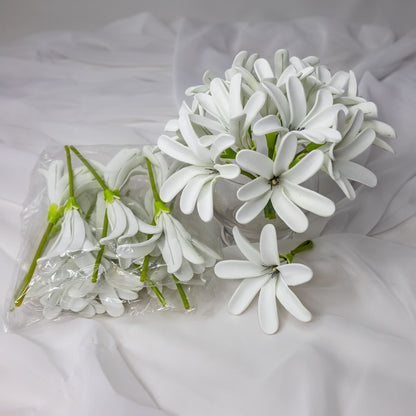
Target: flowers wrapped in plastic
<point x="272" y="132"/>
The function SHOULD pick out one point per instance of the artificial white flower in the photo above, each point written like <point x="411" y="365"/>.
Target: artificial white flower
<point x="58" y="183"/>
<point x="279" y="183"/>
<point x="126" y="163"/>
<point x="338" y="158"/>
<point x="264" y="274"/>
<point x="184" y="255"/>
<point x="74" y="235"/>
<point x="204" y="168"/>
<point x="70" y="289"/>
<point x="224" y="103"/>
<point x="312" y="121"/>
<point x="122" y="223"/>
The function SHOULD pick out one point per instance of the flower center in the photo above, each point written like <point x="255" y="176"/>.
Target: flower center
<point x="275" y="272"/>
<point x="274" y="181"/>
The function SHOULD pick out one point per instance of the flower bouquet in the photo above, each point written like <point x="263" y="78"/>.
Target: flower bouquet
<point x="272" y="133"/>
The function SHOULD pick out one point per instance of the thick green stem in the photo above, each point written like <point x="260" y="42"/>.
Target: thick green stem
<point x="181" y="292"/>
<point x="143" y="274"/>
<point x="90" y="168"/>
<point x="21" y="292"/>
<point x="101" y="251"/>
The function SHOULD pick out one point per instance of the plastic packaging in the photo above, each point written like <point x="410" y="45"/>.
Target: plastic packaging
<point x="98" y="241"/>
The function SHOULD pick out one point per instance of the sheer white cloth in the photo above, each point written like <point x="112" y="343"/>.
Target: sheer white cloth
<point x="121" y="85"/>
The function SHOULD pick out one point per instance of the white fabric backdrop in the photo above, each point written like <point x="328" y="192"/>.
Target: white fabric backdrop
<point x="120" y="85"/>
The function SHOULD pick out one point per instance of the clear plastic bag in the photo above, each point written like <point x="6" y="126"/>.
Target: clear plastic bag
<point x="86" y="248"/>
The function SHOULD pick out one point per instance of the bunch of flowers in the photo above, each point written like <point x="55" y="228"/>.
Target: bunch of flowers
<point x="104" y="243"/>
<point x="270" y="129"/>
<point x="275" y="127"/>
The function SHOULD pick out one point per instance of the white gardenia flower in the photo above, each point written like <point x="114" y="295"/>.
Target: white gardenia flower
<point x="338" y="159"/>
<point x="204" y="168"/>
<point x="70" y="289"/>
<point x="184" y="255"/>
<point x="75" y="235"/>
<point x="312" y="121"/>
<point x="58" y="183"/>
<point x="126" y="163"/>
<point x="122" y="223"/>
<point x="224" y="103"/>
<point x="262" y="272"/>
<point x="280" y="184"/>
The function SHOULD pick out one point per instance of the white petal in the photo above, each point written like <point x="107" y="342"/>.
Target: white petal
<point x="291" y="302"/>
<point x="117" y="221"/>
<point x="285" y="154"/>
<point x="210" y="124"/>
<point x="356" y="172"/>
<point x="267" y="310"/>
<point x="191" y="192"/>
<point x="253" y="106"/>
<point x="326" y="118"/>
<point x="77" y="230"/>
<point x="177" y="150"/>
<point x="209" y="105"/>
<point x="323" y="100"/>
<point x="280" y="101"/>
<point x="185" y="272"/>
<point x="256" y="163"/>
<point x="253" y="189"/>
<point x="263" y="69"/>
<point x="175" y="183"/>
<point x="281" y="61"/>
<point x="188" y="250"/>
<point x="221" y="97"/>
<point x="119" y="169"/>
<point x="382" y="129"/>
<point x="113" y="305"/>
<point x="362" y="142"/>
<point x="269" y="250"/>
<point x="169" y="245"/>
<point x="291" y="215"/>
<point x="205" y="202"/>
<point x="310" y="200"/>
<point x="146" y="228"/>
<point x="252" y="208"/>
<point x="227" y="171"/>
<point x="132" y="227"/>
<point x="235" y="105"/>
<point x="138" y="250"/>
<point x="297" y="101"/>
<point x="247" y="249"/>
<point x="267" y="124"/>
<point x="223" y="142"/>
<point x="238" y="269"/>
<point x="305" y="168"/>
<point x="346" y="187"/>
<point x="245" y="293"/>
<point x="295" y="273"/>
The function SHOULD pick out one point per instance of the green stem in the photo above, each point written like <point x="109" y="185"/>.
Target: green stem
<point x="143" y="274"/>
<point x="90" y="168"/>
<point x="70" y="173"/>
<point x="306" y="245"/>
<point x="156" y="291"/>
<point x="181" y="292"/>
<point x="271" y="143"/>
<point x="21" y="292"/>
<point x="152" y="181"/>
<point x="101" y="251"/>
<point x="249" y="175"/>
